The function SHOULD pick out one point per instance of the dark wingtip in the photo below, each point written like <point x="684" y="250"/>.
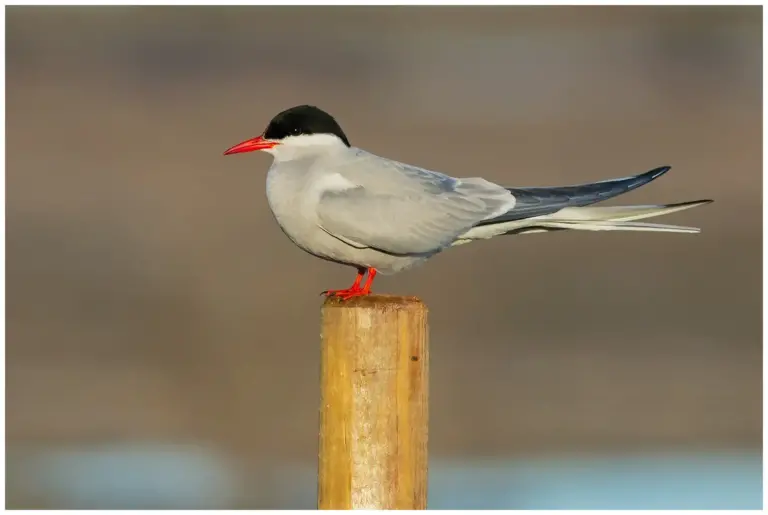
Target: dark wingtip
<point x="643" y="178"/>
<point x="657" y="172"/>
<point x="646" y="177"/>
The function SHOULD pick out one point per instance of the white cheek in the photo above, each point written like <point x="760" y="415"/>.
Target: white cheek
<point x="310" y="140"/>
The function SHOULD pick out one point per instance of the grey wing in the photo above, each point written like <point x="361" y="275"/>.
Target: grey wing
<point x="400" y="209"/>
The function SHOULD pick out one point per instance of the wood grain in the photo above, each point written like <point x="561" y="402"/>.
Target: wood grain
<point x="373" y="412"/>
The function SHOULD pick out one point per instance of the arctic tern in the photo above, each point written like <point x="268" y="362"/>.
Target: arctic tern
<point x="346" y="205"/>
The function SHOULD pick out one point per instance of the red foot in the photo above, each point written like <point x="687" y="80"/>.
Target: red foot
<point x="342" y="293"/>
<point x="349" y="293"/>
<point x="355" y="290"/>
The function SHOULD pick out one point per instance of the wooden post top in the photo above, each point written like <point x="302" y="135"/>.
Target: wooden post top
<point x="375" y="302"/>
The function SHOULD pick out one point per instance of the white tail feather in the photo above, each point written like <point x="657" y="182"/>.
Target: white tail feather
<point x="610" y="225"/>
<point x="621" y="213"/>
<point x="588" y="218"/>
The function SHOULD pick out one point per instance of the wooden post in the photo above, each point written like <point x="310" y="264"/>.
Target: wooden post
<point x="373" y="412"/>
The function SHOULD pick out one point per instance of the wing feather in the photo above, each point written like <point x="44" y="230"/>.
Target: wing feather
<point x="402" y="209"/>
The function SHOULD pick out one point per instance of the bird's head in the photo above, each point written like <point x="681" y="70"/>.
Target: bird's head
<point x="296" y="132"/>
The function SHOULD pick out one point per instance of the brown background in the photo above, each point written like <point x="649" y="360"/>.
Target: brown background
<point x="152" y="298"/>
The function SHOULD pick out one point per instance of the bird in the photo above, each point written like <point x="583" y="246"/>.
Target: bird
<point x="349" y="206"/>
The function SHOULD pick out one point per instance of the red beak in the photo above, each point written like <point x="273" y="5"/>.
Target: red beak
<point x="250" y="145"/>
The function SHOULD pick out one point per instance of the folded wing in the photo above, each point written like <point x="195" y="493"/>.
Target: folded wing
<point x="401" y="209"/>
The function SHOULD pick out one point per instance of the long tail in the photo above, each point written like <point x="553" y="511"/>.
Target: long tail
<point x="614" y="218"/>
<point x="568" y="208"/>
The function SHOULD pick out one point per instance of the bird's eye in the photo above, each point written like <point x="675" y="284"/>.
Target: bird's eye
<point x="296" y="130"/>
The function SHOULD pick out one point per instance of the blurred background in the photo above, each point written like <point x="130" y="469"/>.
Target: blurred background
<point x="162" y="337"/>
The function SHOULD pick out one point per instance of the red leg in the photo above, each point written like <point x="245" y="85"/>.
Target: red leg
<point x="355" y="290"/>
<point x="359" y="292"/>
<point x="369" y="282"/>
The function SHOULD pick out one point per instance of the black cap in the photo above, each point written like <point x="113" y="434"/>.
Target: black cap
<point x="303" y="119"/>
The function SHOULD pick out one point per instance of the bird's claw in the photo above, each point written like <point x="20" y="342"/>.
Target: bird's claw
<point x="346" y="294"/>
<point x="350" y="295"/>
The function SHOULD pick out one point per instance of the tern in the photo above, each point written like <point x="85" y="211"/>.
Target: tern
<point x="346" y="205"/>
